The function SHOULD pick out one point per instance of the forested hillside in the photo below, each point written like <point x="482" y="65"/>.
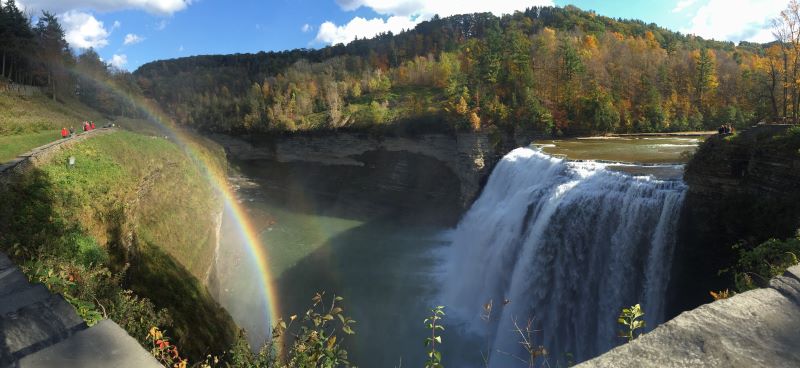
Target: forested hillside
<point x="547" y="70"/>
<point x="37" y="54"/>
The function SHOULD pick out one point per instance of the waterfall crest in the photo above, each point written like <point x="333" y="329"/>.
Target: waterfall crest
<point x="567" y="244"/>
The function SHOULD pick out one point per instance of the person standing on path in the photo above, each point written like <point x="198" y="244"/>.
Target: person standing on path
<point x="64" y="133"/>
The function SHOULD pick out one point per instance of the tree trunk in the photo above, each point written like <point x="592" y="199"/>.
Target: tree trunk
<point x="773" y="84"/>
<point x="4" y="65"/>
<point x="795" y="96"/>
<point x="785" y="83"/>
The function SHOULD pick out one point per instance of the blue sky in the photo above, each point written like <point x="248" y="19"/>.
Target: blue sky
<point x="128" y="33"/>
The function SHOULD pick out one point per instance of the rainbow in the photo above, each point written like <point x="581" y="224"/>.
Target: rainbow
<point x="220" y="183"/>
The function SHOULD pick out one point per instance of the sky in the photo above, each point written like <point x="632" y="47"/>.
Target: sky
<point x="129" y="33"/>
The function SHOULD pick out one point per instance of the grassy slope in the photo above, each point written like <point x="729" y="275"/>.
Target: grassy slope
<point x="25" y="114"/>
<point x="127" y="182"/>
<point x="13" y="145"/>
<point x="139" y="196"/>
<point x="27" y="122"/>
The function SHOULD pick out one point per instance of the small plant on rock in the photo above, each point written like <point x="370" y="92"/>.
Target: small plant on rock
<point x="631" y="319"/>
<point x="433" y="323"/>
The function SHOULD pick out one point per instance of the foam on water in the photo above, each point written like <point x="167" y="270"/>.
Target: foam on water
<point x="569" y="244"/>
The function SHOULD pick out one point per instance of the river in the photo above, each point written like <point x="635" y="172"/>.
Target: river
<point x="392" y="253"/>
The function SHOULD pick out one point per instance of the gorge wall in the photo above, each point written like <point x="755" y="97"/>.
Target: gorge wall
<point x="378" y="172"/>
<point x="742" y="189"/>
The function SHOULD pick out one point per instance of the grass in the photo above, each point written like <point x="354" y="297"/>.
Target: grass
<point x="14" y="145"/>
<point x="30" y="114"/>
<point x="27" y="122"/>
<point x="145" y="202"/>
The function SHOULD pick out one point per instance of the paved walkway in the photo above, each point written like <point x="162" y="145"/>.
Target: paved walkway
<point x="40" y="329"/>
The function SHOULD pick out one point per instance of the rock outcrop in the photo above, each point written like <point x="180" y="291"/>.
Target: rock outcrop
<point x="468" y="156"/>
<point x="758" y="328"/>
<point x="742" y="189"/>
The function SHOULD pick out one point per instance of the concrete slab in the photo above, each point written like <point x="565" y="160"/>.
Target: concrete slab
<point x="15" y="301"/>
<point x="12" y="280"/>
<point x="37" y="326"/>
<point x="103" y="345"/>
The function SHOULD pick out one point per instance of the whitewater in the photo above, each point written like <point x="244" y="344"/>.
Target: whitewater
<point x="566" y="244"/>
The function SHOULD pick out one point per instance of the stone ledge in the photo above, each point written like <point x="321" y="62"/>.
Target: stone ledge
<point x="103" y="345"/>
<point x="758" y="328"/>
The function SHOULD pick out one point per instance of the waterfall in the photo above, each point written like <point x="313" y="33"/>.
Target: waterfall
<point x="567" y="244"/>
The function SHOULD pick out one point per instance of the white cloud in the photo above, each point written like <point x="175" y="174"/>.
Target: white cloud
<point x="331" y="33"/>
<point x="119" y="61"/>
<point x="161" y="7"/>
<point x="83" y="30"/>
<point x="306" y="27"/>
<point x="683" y="4"/>
<point x="116" y="25"/>
<point x="427" y="8"/>
<point x="181" y="48"/>
<point x="131" y="39"/>
<point x="161" y="25"/>
<point x="405" y="14"/>
<point x="736" y="20"/>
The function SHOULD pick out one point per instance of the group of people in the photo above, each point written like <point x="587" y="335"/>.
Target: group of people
<point x="87" y="126"/>
<point x="725" y="129"/>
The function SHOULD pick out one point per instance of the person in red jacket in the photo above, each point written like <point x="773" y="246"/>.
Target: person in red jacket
<point x="64" y="133"/>
<point x="92" y="123"/>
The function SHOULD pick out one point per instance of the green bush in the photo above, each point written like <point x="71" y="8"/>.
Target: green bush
<point x="758" y="265"/>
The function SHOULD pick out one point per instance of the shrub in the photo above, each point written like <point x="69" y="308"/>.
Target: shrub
<point x="769" y="259"/>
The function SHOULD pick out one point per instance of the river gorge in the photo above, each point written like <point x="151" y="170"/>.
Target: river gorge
<point x="388" y="224"/>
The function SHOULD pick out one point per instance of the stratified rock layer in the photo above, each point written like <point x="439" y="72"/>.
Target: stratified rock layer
<point x="468" y="156"/>
<point x="759" y="328"/>
<point x="743" y="189"/>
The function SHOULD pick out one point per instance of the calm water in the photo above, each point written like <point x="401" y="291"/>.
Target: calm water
<point x="662" y="157"/>
<point x="386" y="260"/>
<point x="645" y="150"/>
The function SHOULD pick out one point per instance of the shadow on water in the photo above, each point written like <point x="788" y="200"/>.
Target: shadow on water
<point x="387" y="274"/>
<point x="406" y="186"/>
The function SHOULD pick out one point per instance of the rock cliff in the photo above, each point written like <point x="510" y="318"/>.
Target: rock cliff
<point x="742" y="189"/>
<point x="467" y="156"/>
